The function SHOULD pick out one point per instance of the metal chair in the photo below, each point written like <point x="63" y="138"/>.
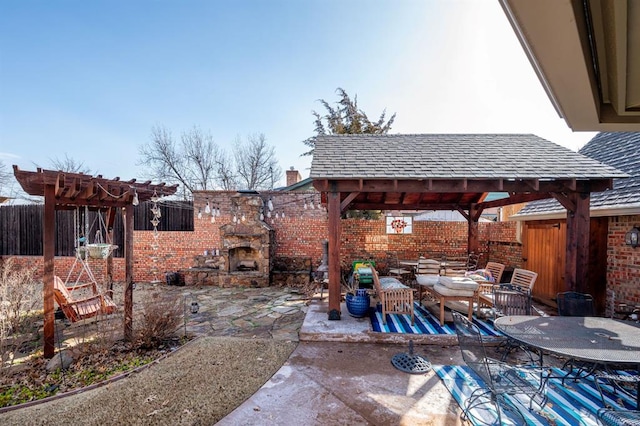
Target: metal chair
<point x="573" y="304"/>
<point x="509" y="300"/>
<point x="501" y="379"/>
<point x="611" y="417"/>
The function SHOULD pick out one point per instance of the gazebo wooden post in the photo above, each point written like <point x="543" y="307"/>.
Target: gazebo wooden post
<point x="577" y="260"/>
<point x="111" y="217"/>
<point x="49" y="236"/>
<point x="472" y="230"/>
<point x="128" y="272"/>
<point x="333" y="209"/>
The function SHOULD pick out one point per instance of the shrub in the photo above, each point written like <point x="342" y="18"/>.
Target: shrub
<point x="161" y="316"/>
<point x="18" y="314"/>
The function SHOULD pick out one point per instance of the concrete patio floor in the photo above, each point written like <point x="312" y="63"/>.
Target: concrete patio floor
<point x="341" y="373"/>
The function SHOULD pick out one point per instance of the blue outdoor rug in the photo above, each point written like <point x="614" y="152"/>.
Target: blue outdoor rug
<point x="574" y="403"/>
<point x="425" y="323"/>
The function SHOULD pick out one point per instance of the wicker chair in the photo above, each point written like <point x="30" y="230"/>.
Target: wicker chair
<point x="501" y="379"/>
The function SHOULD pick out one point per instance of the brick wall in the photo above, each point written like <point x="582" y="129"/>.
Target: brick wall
<point x="623" y="262"/>
<point x="299" y="235"/>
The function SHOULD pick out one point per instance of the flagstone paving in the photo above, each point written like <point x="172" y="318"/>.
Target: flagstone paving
<point x="268" y="313"/>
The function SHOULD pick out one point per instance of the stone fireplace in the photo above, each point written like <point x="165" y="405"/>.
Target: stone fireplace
<point x="247" y="243"/>
<point x="247" y="248"/>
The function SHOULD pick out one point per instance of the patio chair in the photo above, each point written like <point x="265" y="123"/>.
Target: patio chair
<point x="496" y="269"/>
<point x="500" y="378"/>
<point x="573" y="304"/>
<point x="611" y="417"/>
<point x="394" y="266"/>
<point x="521" y="280"/>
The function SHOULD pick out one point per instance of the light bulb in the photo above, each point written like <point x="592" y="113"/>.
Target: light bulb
<point x="218" y="212"/>
<point x="235" y="218"/>
<point x="199" y="214"/>
<point x="312" y="206"/>
<point x="135" y="201"/>
<point x="305" y="205"/>
<point x="213" y="218"/>
<point x="261" y="216"/>
<point x="207" y="209"/>
<point x="276" y="215"/>
<point x="268" y="213"/>
<point x="270" y="204"/>
<point x="243" y="218"/>
<point x="283" y="214"/>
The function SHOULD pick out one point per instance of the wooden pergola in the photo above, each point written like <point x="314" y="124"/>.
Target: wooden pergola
<point x="62" y="191"/>
<point x="455" y="172"/>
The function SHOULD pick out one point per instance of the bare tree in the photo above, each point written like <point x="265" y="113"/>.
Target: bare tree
<point x="345" y="118"/>
<point x="256" y="163"/>
<point x="192" y="162"/>
<point x="199" y="164"/>
<point x="68" y="164"/>
<point x="5" y="178"/>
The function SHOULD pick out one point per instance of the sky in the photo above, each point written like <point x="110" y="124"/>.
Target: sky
<point x="89" y="80"/>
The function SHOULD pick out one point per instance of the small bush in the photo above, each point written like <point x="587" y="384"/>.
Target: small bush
<point x="18" y="315"/>
<point x="162" y="315"/>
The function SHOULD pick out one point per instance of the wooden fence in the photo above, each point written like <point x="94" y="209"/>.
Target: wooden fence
<point x="21" y="226"/>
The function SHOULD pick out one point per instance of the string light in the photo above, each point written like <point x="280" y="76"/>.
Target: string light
<point x="270" y="205"/>
<point x="207" y="209"/>
<point x="276" y="215"/>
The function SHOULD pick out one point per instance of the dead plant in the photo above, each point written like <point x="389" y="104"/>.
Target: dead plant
<point x="162" y="315"/>
<point x="18" y="314"/>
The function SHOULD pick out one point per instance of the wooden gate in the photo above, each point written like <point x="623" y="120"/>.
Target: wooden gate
<point x="544" y="250"/>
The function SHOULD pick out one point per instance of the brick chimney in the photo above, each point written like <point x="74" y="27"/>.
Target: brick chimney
<point x="293" y="176"/>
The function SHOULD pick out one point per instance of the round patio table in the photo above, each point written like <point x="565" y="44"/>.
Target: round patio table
<point x="599" y="341"/>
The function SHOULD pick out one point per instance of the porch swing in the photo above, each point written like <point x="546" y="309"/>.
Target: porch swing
<point x="91" y="303"/>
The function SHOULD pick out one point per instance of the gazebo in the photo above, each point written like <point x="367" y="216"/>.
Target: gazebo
<point x="455" y="172"/>
<point x="62" y="190"/>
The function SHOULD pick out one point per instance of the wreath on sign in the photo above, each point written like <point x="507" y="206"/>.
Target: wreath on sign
<point x="398" y="225"/>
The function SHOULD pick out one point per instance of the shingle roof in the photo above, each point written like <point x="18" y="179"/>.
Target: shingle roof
<point x="443" y="156"/>
<point x="617" y="149"/>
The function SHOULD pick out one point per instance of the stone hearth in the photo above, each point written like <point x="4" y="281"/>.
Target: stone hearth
<point x="247" y="252"/>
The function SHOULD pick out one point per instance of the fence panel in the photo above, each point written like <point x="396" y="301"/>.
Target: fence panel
<point x="21" y="226"/>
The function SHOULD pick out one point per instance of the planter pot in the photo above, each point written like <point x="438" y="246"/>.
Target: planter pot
<point x="358" y="305"/>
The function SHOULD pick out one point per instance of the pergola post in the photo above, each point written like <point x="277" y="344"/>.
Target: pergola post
<point x="472" y="230"/>
<point x="48" y="250"/>
<point x="333" y="209"/>
<point x="128" y="272"/>
<point x="577" y="258"/>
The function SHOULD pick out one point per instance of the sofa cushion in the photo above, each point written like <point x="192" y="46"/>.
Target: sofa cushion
<point x="427" y="279"/>
<point x="459" y="283"/>
<point x="387" y="283"/>
<point x="446" y="291"/>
